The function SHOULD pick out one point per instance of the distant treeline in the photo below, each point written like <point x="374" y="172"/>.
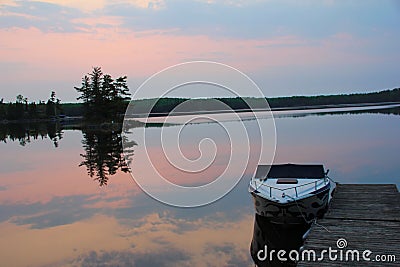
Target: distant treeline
<point x="359" y="98"/>
<point x="103" y="106"/>
<point x="166" y="105"/>
<point x="22" y="109"/>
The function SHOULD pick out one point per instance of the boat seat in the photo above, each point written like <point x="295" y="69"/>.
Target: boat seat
<point x="287" y="181"/>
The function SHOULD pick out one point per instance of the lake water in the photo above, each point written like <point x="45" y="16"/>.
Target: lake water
<point x="68" y="200"/>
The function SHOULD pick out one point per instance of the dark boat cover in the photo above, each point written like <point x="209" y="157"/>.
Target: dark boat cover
<point x="290" y="171"/>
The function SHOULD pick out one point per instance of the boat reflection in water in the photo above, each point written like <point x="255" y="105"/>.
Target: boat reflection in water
<point x="269" y="238"/>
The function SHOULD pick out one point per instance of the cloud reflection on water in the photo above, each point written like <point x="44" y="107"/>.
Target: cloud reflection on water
<point x="53" y="214"/>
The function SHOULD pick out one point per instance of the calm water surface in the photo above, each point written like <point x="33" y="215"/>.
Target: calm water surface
<point x="68" y="200"/>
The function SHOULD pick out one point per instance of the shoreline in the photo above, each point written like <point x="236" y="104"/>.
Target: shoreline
<point x="296" y="108"/>
<point x="74" y="119"/>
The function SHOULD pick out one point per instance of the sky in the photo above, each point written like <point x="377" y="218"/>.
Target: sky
<point x="287" y="47"/>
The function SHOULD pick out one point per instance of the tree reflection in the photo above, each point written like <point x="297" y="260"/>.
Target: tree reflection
<point x="103" y="155"/>
<point x="102" y="146"/>
<point x="24" y="133"/>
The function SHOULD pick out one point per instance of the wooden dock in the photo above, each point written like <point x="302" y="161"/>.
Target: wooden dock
<point x="367" y="217"/>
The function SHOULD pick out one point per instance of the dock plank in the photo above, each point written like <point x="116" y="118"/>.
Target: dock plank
<point x="367" y="217"/>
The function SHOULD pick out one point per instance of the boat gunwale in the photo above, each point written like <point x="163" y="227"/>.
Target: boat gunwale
<point x="293" y="187"/>
<point x="297" y="197"/>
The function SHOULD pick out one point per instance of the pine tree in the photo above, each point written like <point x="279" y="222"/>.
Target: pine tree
<point x="102" y="96"/>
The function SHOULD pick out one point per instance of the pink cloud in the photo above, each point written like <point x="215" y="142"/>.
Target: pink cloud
<point x="39" y="56"/>
<point x="121" y="49"/>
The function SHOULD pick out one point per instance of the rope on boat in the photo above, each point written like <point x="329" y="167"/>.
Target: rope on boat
<point x="320" y="225"/>
<point x="258" y="185"/>
<point x="331" y="179"/>
<point x="302" y="215"/>
<point x="314" y="220"/>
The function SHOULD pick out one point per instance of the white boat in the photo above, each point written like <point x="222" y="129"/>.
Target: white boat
<point x="290" y="193"/>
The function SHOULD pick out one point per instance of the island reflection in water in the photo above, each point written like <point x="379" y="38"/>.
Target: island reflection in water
<point x="53" y="214"/>
<point x="24" y="133"/>
<point x="103" y="155"/>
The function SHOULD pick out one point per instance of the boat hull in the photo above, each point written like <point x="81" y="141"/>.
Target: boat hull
<point x="296" y="212"/>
